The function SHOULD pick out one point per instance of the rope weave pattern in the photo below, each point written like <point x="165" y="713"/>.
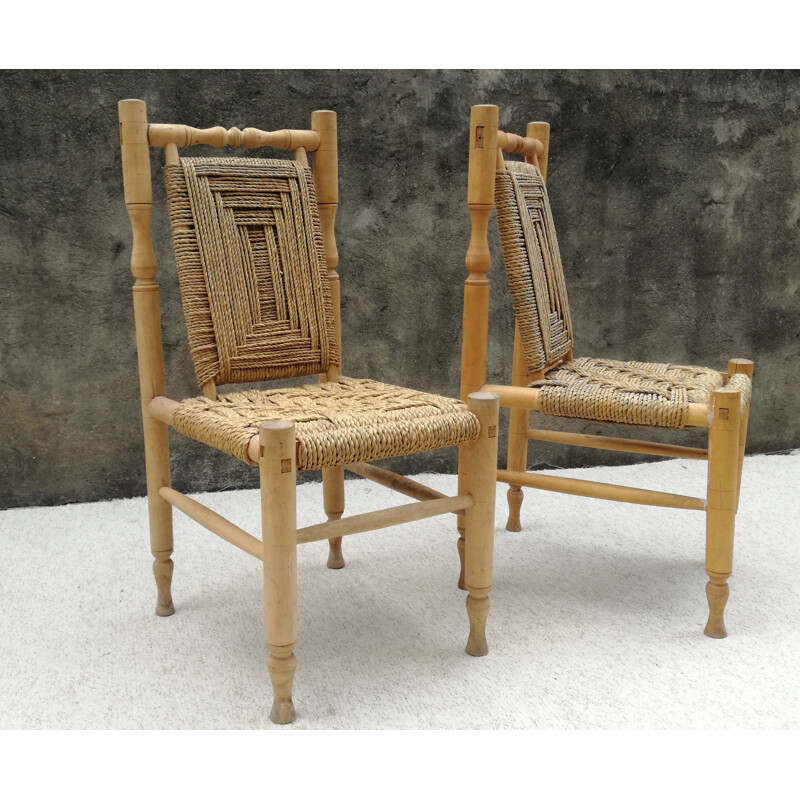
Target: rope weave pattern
<point x="533" y="265"/>
<point x="251" y="266"/>
<point x="631" y="392"/>
<point x="336" y="423"/>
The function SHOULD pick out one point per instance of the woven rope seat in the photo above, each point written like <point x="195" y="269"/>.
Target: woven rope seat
<point x="630" y="392"/>
<point x="336" y="423"/>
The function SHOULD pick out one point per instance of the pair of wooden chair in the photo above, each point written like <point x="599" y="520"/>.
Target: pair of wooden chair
<point x="548" y="379"/>
<point x="256" y="257"/>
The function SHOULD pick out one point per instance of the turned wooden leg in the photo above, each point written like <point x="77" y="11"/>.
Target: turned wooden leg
<point x="518" y="421"/>
<point x="279" y="528"/>
<point x="517" y="462"/>
<point x="333" y="500"/>
<point x="723" y="478"/>
<point x="741" y="365"/>
<point x="479" y="519"/>
<point x="156" y="448"/>
<point x="462" y="489"/>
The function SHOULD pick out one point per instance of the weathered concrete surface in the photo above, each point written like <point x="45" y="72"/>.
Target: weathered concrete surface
<point x="676" y="197"/>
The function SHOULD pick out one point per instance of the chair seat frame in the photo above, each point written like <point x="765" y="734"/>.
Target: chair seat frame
<point x="725" y="416"/>
<point x="274" y="447"/>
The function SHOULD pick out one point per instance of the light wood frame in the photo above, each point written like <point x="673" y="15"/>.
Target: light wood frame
<point x="724" y="416"/>
<point x="274" y="447"/>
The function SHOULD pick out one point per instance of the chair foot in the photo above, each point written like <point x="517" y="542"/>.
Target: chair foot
<point x="281" y="672"/>
<point x="514" y="496"/>
<point x="165" y="611"/>
<point x="461" y="543"/>
<point x="717" y="594"/>
<point x="478" y="611"/>
<point x="162" y="570"/>
<point x="335" y="557"/>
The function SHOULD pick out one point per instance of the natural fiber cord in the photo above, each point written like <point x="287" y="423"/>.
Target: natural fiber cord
<point x="336" y="423"/>
<point x="251" y="266"/>
<point x="627" y="392"/>
<point x="533" y="265"/>
<point x="630" y="392"/>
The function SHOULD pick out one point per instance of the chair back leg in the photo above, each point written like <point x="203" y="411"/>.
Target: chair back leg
<point x="517" y="436"/>
<point x="333" y="502"/>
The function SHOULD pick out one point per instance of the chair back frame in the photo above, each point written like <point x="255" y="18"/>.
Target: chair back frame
<point x="136" y="138"/>
<point x="487" y="145"/>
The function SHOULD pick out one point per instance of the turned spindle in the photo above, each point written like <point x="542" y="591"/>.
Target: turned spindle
<point x="519" y="418"/>
<point x="278" y="472"/>
<point x="186" y="136"/>
<point x="326" y="184"/>
<point x="147" y="317"/>
<point x="723" y="477"/>
<point x="481" y="483"/>
<point x="475" y="326"/>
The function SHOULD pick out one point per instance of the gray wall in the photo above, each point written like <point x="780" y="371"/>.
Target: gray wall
<point x="676" y="196"/>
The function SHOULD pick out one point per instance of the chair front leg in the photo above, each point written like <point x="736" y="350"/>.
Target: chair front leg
<point x="333" y="501"/>
<point x="481" y="482"/>
<point x="156" y="449"/>
<point x="278" y="472"/>
<point x="723" y="481"/>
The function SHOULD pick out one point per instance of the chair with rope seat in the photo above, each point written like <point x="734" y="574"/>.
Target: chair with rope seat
<point x="548" y="379"/>
<point x="256" y="257"/>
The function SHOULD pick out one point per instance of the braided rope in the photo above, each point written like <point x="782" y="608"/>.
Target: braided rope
<point x="251" y="267"/>
<point x="630" y="392"/>
<point x="336" y="423"/>
<point x="533" y="265"/>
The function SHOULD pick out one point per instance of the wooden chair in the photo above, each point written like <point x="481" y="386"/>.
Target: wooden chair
<point x="256" y="257"/>
<point x="548" y="379"/>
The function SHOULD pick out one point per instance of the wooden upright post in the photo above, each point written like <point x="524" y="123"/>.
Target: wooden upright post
<point x="278" y="471"/>
<point x="743" y="366"/>
<point x="326" y="182"/>
<point x="475" y="326"/>
<point x="147" y="317"/>
<point x="519" y="418"/>
<point x="479" y="518"/>
<point x="723" y="478"/>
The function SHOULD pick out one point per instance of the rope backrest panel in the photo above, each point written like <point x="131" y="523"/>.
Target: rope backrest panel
<point x="533" y="265"/>
<point x="251" y="267"/>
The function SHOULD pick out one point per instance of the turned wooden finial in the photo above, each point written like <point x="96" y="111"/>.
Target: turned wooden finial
<point x="540" y="131"/>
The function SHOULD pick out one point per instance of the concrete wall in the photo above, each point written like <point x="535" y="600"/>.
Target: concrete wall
<point x="676" y="196"/>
